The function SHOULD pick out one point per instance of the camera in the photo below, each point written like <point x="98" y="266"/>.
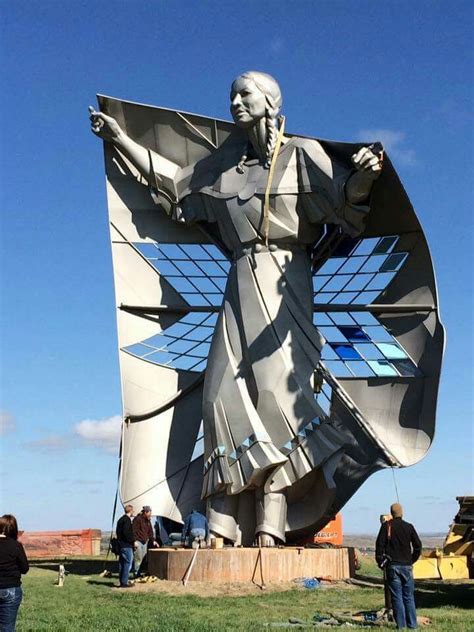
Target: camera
<point x="386" y="559"/>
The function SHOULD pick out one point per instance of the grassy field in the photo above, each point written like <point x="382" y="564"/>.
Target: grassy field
<point x="88" y="603"/>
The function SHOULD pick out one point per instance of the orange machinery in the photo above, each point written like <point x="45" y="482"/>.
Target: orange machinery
<point x="331" y="534"/>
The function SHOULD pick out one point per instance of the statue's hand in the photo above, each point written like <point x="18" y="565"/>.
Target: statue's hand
<point x="104" y="126"/>
<point x="368" y="163"/>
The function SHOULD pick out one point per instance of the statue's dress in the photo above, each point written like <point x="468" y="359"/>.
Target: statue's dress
<point x="262" y="425"/>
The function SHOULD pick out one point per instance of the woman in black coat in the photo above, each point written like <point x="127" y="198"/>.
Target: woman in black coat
<point x="13" y="564"/>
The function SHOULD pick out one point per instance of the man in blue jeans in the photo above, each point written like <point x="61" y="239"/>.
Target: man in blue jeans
<point x="126" y="540"/>
<point x="195" y="530"/>
<point x="397" y="548"/>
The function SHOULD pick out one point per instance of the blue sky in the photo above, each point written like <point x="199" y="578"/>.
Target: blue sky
<point x="348" y="70"/>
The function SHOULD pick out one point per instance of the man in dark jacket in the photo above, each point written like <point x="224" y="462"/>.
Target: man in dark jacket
<point x="125" y="537"/>
<point x="143" y="535"/>
<point x="397" y="548"/>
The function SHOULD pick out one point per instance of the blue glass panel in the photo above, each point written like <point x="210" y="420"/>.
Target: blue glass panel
<point x="225" y="265"/>
<point x="200" y="366"/>
<point x="393" y="262"/>
<point x="331" y="266"/>
<point x="178" y="330"/>
<point x="195" y="251"/>
<point x="369" y="351"/>
<point x="332" y="334"/>
<point x="382" y="368"/>
<point x="327" y="390"/>
<point x="337" y="368"/>
<point x="211" y="320"/>
<point x="385" y="245"/>
<point x="204" y="285"/>
<point x="184" y="362"/>
<point x="214" y="251"/>
<point x="181" y="284"/>
<point x="359" y="282"/>
<point x="138" y="349"/>
<point x="392" y="351"/>
<point x="150" y="251"/>
<point x="346" y="352"/>
<point x="380" y="281"/>
<point x="323" y="298"/>
<point x="166" y="268"/>
<point x="378" y="334"/>
<point x="320" y="318"/>
<point x="328" y="353"/>
<point x="198" y="449"/>
<point x="199" y="333"/>
<point x="360" y="369"/>
<point x="406" y="368"/>
<point x="173" y="251"/>
<point x="319" y="282"/>
<point x="197" y="300"/>
<point x="181" y="346"/>
<point x="214" y="299"/>
<point x="188" y="268"/>
<point x="374" y="263"/>
<point x="354" y="334"/>
<point x="353" y="264"/>
<point x="364" y="318"/>
<point x="196" y="318"/>
<point x="366" y="298"/>
<point x="342" y="318"/>
<point x="201" y="350"/>
<point x="161" y="357"/>
<point x="324" y="402"/>
<point x="366" y="246"/>
<point x="344" y="297"/>
<point x="337" y="282"/>
<point x="221" y="282"/>
<point x="211" y="268"/>
<point x="160" y="341"/>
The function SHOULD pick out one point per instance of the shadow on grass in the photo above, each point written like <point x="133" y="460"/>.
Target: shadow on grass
<point x="436" y="594"/>
<point x="109" y="584"/>
<point x="76" y="566"/>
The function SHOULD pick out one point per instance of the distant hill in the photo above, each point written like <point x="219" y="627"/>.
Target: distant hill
<point x="366" y="542"/>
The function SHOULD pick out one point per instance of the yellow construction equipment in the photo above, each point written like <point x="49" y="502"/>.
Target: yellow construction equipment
<point x="455" y="559"/>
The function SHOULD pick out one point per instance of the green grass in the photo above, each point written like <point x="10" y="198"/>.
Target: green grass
<point x="87" y="603"/>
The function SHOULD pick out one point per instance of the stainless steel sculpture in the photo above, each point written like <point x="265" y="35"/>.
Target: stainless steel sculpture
<point x="219" y="282"/>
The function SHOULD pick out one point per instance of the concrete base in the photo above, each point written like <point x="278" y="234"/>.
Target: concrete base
<point x="243" y="564"/>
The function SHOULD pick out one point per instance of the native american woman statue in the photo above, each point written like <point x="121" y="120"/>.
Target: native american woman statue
<point x="267" y="198"/>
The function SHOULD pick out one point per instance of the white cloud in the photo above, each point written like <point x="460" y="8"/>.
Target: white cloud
<point x="7" y="422"/>
<point x="277" y="44"/>
<point x="101" y="433"/>
<point x="394" y="143"/>
<point x="51" y="443"/>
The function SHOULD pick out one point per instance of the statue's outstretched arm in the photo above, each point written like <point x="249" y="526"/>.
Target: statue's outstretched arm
<point x="107" y="128"/>
<point x="368" y="167"/>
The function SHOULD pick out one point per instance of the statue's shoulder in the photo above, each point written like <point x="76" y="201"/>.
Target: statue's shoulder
<point x="310" y="153"/>
<point x="309" y="145"/>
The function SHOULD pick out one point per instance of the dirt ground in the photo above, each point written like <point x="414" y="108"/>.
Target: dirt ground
<point x="209" y="589"/>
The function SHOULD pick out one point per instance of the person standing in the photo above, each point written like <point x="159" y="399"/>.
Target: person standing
<point x="126" y="540"/>
<point x="143" y="535"/>
<point x="13" y="564"/>
<point x="397" y="548"/>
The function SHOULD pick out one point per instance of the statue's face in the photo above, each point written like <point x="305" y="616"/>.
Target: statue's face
<point x="247" y="102"/>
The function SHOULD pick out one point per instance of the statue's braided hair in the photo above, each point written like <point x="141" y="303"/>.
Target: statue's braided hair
<point x="270" y="88"/>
